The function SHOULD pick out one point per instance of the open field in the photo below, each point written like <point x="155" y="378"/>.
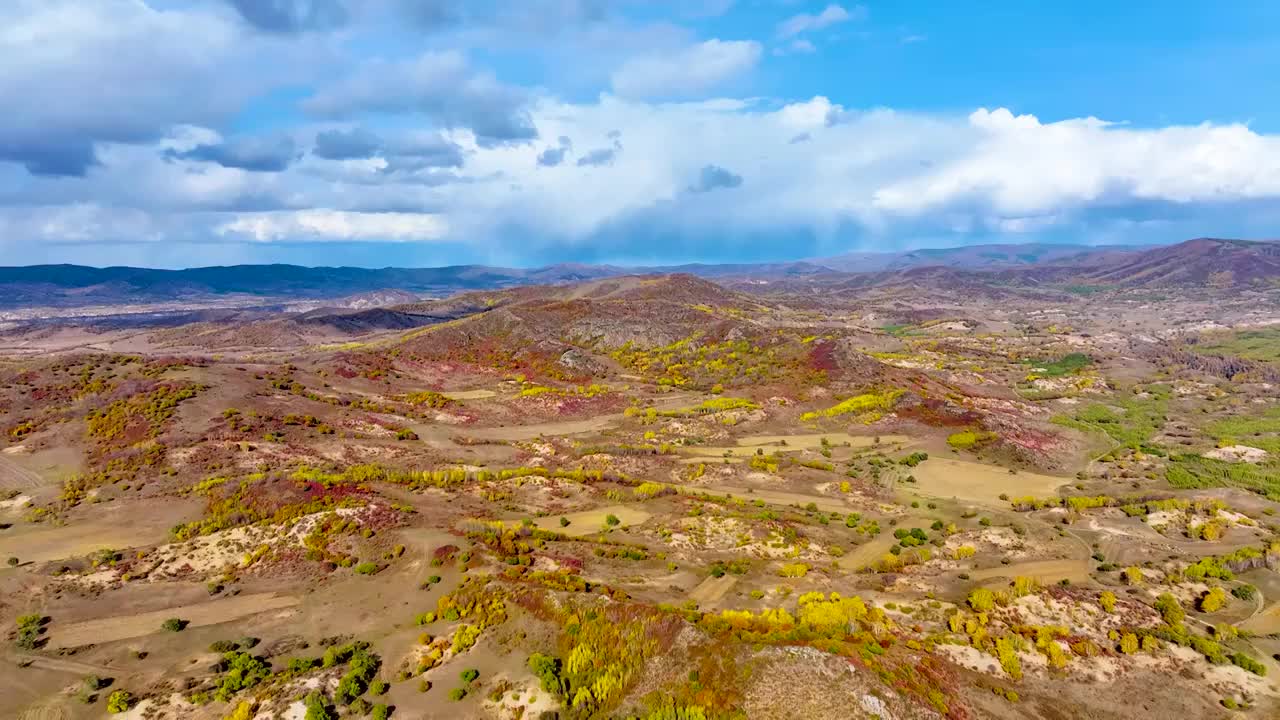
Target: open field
<point x="966" y="480"/>
<point x="1266" y="622"/>
<point x="710" y="591"/>
<point x="214" y="612"/>
<point x="16" y="477"/>
<point x="590" y="522"/>
<point x="1047" y="572"/>
<point x="747" y="446"/>
<point x="477" y="394"/>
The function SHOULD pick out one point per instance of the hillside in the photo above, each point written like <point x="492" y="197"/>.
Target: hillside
<point x="1203" y="261"/>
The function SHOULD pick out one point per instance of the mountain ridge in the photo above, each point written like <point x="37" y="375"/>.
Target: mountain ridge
<point x="1193" y="261"/>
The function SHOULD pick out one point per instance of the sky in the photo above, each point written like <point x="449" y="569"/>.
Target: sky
<point x="178" y="133"/>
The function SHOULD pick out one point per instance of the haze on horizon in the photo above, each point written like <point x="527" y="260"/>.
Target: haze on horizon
<point x="178" y="133"/>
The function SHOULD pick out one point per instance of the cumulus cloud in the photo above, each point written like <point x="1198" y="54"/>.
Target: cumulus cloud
<point x="321" y="225"/>
<point x="869" y="178"/>
<point x="831" y="15"/>
<point x="442" y="86"/>
<point x="687" y="71"/>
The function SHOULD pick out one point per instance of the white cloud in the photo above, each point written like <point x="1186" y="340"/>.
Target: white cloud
<point x="869" y="177"/>
<point x="687" y="71"/>
<point x="443" y="86"/>
<point x="78" y="72"/>
<point x="336" y="225"/>
<point x="831" y="15"/>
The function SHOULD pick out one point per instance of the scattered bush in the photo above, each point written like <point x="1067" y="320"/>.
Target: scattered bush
<point x="119" y="701"/>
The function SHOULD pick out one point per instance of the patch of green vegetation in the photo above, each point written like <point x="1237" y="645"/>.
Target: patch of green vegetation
<point x="1128" y="420"/>
<point x="1065" y="365"/>
<point x="1195" y="471"/>
<point x="1262" y="344"/>
<point x="898" y="330"/>
<point x="1260" y="431"/>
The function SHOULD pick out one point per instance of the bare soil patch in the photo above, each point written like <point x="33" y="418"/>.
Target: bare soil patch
<point x="1045" y="571"/>
<point x="588" y="522"/>
<point x="966" y="480"/>
<point x="478" y="394"/>
<point x="214" y="612"/>
<point x="710" y="591"/>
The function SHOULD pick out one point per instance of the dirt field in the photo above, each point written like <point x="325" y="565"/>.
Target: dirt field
<point x="746" y="446"/>
<point x="710" y="591"/>
<point x="15" y="477"/>
<point x="809" y="441"/>
<point x="52" y="710"/>
<point x="117" y="527"/>
<point x="867" y="552"/>
<point x="1046" y="571"/>
<point x="530" y="432"/>
<point x="965" y="480"/>
<point x="774" y="497"/>
<point x="469" y="394"/>
<point x="111" y="629"/>
<point x="1266" y="622"/>
<point x="592" y="521"/>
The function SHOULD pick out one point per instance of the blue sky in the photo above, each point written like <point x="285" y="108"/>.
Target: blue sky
<point x="427" y="132"/>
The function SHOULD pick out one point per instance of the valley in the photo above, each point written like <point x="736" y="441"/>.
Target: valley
<point x="928" y="491"/>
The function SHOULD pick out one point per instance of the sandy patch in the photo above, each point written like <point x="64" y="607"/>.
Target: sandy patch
<point x="971" y="658"/>
<point x="1238" y="453"/>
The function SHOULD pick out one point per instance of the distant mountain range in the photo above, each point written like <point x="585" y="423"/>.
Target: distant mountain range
<point x="1195" y="262"/>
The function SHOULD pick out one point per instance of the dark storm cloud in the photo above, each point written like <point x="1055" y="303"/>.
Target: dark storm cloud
<point x="714" y="177"/>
